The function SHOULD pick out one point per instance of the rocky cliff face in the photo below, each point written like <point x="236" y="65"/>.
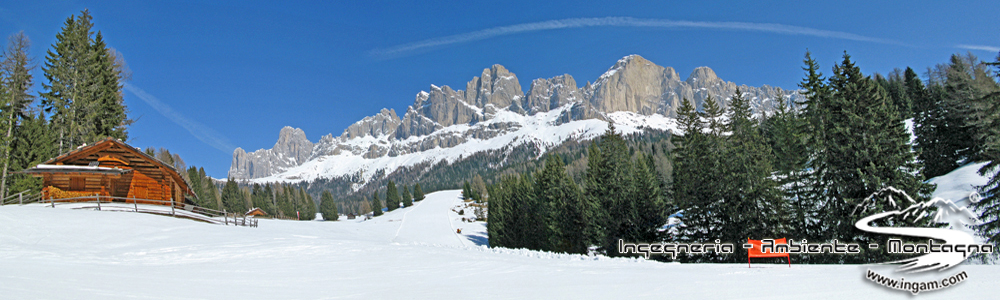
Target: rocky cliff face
<point x="493" y="104"/>
<point x="292" y="149"/>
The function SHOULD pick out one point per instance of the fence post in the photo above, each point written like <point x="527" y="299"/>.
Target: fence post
<point x="172" y="206"/>
<point x="136" y="205"/>
<point x="98" y="202"/>
<point x="20" y="198"/>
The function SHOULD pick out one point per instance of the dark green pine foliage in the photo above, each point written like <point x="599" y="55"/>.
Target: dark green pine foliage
<point x="967" y="81"/>
<point x="15" y="97"/>
<point x="533" y="224"/>
<point x="376" y="204"/>
<point x="989" y="206"/>
<point x="752" y="203"/>
<point x="284" y="198"/>
<point x="232" y="198"/>
<point x="306" y="205"/>
<point x="466" y="191"/>
<point x="33" y="144"/>
<point x="788" y="142"/>
<point x="612" y="190"/>
<point x="418" y="194"/>
<point x="695" y="175"/>
<point x="107" y="112"/>
<point x="937" y="148"/>
<point x="558" y="194"/>
<point x="83" y="92"/>
<point x="407" y="198"/>
<point x="500" y="216"/>
<point x="327" y="207"/>
<point x="271" y="207"/>
<point x="391" y="196"/>
<point x="648" y="204"/>
<point x="865" y="149"/>
<point x="261" y="198"/>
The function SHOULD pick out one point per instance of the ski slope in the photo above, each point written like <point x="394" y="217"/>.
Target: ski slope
<point x="410" y="253"/>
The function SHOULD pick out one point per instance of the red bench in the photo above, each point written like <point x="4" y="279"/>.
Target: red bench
<point x="755" y="251"/>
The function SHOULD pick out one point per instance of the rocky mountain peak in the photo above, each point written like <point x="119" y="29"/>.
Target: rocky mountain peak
<point x="496" y="86"/>
<point x="292" y="149"/>
<point x="292" y="142"/>
<point x="383" y="123"/>
<point x="703" y="77"/>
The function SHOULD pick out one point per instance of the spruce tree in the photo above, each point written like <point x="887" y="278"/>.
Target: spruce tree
<point x="418" y="194"/>
<point x="376" y="204"/>
<point x="560" y="196"/>
<point x="989" y="206"/>
<point x="695" y="173"/>
<point x="33" y="143"/>
<point x="392" y="196"/>
<point x="269" y="206"/>
<point x="232" y="200"/>
<point x="83" y="89"/>
<point x="614" y="189"/>
<point x="752" y="202"/>
<point x="327" y="207"/>
<point x="866" y="149"/>
<point x="307" y="206"/>
<point x="466" y="191"/>
<point x="407" y="198"/>
<point x="15" y="86"/>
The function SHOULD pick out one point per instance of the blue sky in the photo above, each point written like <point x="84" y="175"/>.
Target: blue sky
<point x="211" y="77"/>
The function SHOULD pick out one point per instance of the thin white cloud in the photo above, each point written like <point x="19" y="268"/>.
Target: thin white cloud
<point x="405" y="49"/>
<point x="979" y="47"/>
<point x="200" y="131"/>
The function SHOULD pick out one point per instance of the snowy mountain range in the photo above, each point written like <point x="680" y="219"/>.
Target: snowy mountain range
<point x="493" y="115"/>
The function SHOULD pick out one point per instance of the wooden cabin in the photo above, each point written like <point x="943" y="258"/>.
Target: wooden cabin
<point x="256" y="212"/>
<point x="114" y="169"/>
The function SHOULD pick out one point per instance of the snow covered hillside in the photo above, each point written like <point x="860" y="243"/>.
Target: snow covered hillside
<point x="543" y="130"/>
<point x="411" y="253"/>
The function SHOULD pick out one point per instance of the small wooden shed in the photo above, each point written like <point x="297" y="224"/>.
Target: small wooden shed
<point x="114" y="169"/>
<point x="256" y="212"/>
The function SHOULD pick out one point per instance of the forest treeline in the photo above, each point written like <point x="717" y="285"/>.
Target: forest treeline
<point x="81" y="101"/>
<point x="800" y="172"/>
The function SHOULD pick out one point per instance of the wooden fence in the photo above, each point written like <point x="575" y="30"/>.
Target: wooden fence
<point x="160" y="207"/>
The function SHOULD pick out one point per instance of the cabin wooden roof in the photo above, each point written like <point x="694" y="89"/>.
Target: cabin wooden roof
<point x="116" y="150"/>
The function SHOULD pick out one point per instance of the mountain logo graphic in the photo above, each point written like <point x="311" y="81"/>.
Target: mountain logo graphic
<point x="958" y="245"/>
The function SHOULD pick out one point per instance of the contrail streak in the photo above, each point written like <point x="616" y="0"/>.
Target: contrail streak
<point x="979" y="47"/>
<point x="198" y="130"/>
<point x="404" y="49"/>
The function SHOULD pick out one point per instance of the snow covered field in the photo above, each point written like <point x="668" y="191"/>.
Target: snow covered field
<point x="412" y="253"/>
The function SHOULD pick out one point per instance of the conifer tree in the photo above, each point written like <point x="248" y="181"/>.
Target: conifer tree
<point x="989" y="206"/>
<point x="376" y="204"/>
<point x="866" y="149"/>
<point x="392" y="196"/>
<point x="695" y="171"/>
<point x="407" y="198"/>
<point x="418" y="194"/>
<point x="327" y="207"/>
<point x="270" y="207"/>
<point x="466" y="191"/>
<point x="752" y="201"/>
<point x="83" y="92"/>
<point x="232" y="200"/>
<point x="558" y="194"/>
<point x="15" y="86"/>
<point x="306" y="205"/>
<point x="647" y="205"/>
<point x="33" y="144"/>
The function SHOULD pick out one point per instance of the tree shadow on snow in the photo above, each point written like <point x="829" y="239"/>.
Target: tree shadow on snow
<point x="479" y="240"/>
